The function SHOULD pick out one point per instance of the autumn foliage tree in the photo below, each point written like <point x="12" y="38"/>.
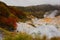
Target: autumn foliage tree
<point x="7" y="20"/>
<point x="9" y="16"/>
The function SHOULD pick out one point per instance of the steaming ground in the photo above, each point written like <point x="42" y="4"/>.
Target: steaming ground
<point x="44" y="28"/>
<point x="49" y="26"/>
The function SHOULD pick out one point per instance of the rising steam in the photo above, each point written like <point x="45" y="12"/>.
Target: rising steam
<point x="51" y="14"/>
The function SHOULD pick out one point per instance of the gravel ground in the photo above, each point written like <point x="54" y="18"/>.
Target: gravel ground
<point x="1" y="36"/>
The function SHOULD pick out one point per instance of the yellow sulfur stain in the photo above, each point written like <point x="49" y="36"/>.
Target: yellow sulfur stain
<point x="48" y="20"/>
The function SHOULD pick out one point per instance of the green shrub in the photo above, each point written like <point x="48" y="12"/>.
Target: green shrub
<point x="18" y="36"/>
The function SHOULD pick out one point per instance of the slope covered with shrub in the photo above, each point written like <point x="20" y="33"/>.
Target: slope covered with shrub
<point x="39" y="10"/>
<point x="9" y="16"/>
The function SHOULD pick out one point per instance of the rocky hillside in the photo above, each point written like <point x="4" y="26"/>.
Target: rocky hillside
<point x="9" y="15"/>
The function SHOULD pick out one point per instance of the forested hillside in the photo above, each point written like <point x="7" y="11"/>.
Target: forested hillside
<point x="9" y="15"/>
<point x="39" y="10"/>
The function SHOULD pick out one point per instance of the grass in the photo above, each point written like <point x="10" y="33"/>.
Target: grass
<point x="23" y="36"/>
<point x="18" y="36"/>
